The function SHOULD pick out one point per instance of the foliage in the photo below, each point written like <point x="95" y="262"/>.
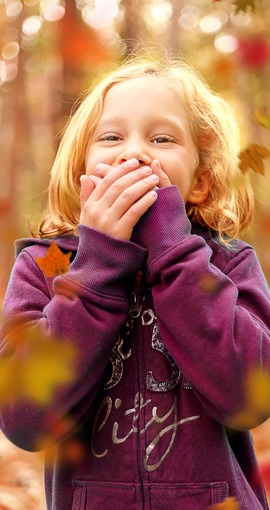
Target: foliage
<point x="55" y="261"/>
<point x="37" y="368"/>
<point x="252" y="157"/>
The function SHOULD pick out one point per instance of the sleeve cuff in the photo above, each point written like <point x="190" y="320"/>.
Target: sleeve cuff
<point x="105" y="264"/>
<point x="164" y="225"/>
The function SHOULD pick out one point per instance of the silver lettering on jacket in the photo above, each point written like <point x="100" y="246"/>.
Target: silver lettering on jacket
<point x="118" y="357"/>
<point x="107" y="406"/>
<point x="117" y="360"/>
<point x="160" y="386"/>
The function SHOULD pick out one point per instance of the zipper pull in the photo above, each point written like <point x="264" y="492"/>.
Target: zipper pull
<point x="135" y="307"/>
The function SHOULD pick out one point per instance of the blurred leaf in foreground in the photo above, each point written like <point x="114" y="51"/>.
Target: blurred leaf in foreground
<point x="252" y="157"/>
<point x="227" y="504"/>
<point x="257" y="406"/>
<point x="262" y="118"/>
<point x="39" y="365"/>
<point x="243" y="5"/>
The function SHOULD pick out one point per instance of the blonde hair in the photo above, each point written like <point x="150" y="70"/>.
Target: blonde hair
<point x="229" y="207"/>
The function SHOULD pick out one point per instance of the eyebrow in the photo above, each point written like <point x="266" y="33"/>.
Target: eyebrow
<point x="169" y="122"/>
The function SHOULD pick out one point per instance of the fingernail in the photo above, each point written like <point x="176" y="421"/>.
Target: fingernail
<point x="133" y="162"/>
<point x="148" y="170"/>
<point x="99" y="168"/>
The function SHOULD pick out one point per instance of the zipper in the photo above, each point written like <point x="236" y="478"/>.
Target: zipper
<point x="137" y="299"/>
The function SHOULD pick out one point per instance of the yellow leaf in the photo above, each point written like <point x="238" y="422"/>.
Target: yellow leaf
<point x="47" y="365"/>
<point x="55" y="261"/>
<point x="257" y="406"/>
<point x="40" y="366"/>
<point x="262" y="118"/>
<point x="227" y="504"/>
<point x="9" y="381"/>
<point x="252" y="157"/>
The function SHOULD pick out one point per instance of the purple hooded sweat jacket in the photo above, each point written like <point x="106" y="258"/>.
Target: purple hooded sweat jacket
<point x="160" y="370"/>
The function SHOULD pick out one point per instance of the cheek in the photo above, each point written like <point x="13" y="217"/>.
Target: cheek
<point x="96" y="156"/>
<point x="92" y="159"/>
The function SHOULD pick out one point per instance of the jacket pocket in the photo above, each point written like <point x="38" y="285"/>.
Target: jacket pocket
<point x="90" y="495"/>
<point x="187" y="496"/>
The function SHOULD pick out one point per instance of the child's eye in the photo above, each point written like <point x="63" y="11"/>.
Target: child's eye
<point x="163" y="139"/>
<point x="109" y="138"/>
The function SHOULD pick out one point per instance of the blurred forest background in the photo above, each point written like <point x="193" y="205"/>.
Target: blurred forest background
<point x="50" y="51"/>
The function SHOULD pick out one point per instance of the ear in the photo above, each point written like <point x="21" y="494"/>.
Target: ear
<point x="200" y="188"/>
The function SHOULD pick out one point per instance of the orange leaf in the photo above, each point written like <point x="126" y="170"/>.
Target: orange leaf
<point x="227" y="504"/>
<point x="262" y="118"/>
<point x="252" y="157"/>
<point x="55" y="261"/>
<point x="209" y="284"/>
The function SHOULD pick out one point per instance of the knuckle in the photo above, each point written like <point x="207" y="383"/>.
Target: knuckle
<point x="126" y="195"/>
<point x="133" y="213"/>
<point x="117" y="187"/>
<point x="106" y="180"/>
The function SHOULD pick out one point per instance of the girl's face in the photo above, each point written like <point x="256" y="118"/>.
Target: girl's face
<point x="143" y="118"/>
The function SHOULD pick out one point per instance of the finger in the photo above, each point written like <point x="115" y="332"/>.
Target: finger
<point x="116" y="182"/>
<point x="132" y="216"/>
<point x="163" y="178"/>
<point x="96" y="180"/>
<point x="103" y="169"/>
<point x="132" y="194"/>
<point x="87" y="187"/>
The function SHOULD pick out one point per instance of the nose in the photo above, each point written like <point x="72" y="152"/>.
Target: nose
<point x="135" y="149"/>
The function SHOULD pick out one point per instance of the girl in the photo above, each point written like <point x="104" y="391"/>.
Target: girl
<point x="167" y="312"/>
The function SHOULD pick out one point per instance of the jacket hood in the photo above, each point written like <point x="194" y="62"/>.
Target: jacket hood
<point x="66" y="242"/>
<point x="71" y="242"/>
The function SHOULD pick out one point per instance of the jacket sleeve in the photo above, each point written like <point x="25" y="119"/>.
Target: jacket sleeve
<point x="214" y="321"/>
<point x="89" y="305"/>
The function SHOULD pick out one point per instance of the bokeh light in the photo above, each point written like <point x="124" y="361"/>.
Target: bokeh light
<point x="100" y="15"/>
<point x="32" y="25"/>
<point x="189" y="17"/>
<point x="10" y="50"/>
<point x="157" y="15"/>
<point x="210" y="24"/>
<point x="14" y="9"/>
<point x="226" y="43"/>
<point x="51" y="10"/>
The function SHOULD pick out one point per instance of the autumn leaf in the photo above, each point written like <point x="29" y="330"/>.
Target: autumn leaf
<point x="47" y="366"/>
<point x="209" y="284"/>
<point x="258" y="400"/>
<point x="252" y="157"/>
<point x="242" y="5"/>
<point x="39" y="367"/>
<point x="57" y="430"/>
<point x="73" y="451"/>
<point x="227" y="504"/>
<point x="262" y="118"/>
<point x="55" y="261"/>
